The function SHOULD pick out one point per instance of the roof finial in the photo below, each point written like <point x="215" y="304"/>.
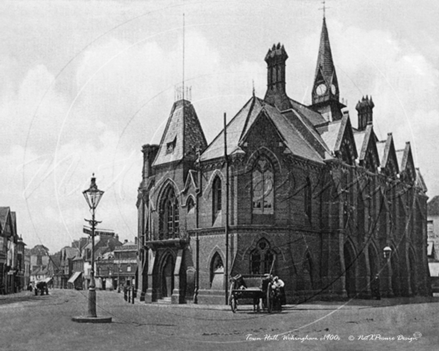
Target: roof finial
<point x="183" y="59"/>
<point x="253" y="88"/>
<point x="323" y="9"/>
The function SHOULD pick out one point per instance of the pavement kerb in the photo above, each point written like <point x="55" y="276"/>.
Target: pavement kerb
<point x="318" y="305"/>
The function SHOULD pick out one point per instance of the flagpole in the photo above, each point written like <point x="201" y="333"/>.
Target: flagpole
<point x="226" y="212"/>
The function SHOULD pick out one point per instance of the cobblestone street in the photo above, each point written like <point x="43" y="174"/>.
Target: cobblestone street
<point x="44" y="323"/>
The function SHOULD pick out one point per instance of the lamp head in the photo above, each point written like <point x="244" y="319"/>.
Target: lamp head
<point x="93" y="194"/>
<point x="386" y="251"/>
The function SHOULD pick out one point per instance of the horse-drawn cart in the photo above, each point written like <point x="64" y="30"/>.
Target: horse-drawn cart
<point x="254" y="287"/>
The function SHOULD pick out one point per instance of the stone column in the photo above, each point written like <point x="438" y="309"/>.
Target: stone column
<point x="150" y="295"/>
<point x="175" y="297"/>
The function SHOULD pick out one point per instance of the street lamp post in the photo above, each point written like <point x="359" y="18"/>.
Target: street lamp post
<point x="386" y="255"/>
<point x="93" y="196"/>
<point x="375" y="281"/>
<point x="119" y="277"/>
<point x="387" y="252"/>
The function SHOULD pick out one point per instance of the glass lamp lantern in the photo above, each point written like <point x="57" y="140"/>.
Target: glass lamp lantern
<point x="93" y="194"/>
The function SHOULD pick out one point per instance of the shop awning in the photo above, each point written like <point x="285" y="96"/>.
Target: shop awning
<point x="430" y="247"/>
<point x="433" y="269"/>
<point x="74" y="277"/>
<point x="47" y="280"/>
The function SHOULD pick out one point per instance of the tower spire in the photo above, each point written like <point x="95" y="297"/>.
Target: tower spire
<point x="325" y="93"/>
<point x="324" y="63"/>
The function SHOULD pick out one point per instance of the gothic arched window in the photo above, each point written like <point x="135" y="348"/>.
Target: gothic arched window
<point x="261" y="258"/>
<point x="190" y="205"/>
<point x="216" y="197"/>
<point x="169" y="215"/>
<point x="262" y="188"/>
<point x="217" y="269"/>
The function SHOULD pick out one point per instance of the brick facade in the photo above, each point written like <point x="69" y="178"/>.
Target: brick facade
<point x="310" y="199"/>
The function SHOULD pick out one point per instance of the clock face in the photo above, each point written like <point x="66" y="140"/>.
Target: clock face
<point x="321" y="89"/>
<point x="333" y="88"/>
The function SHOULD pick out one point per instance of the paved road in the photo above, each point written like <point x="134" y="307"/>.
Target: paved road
<point x="44" y="323"/>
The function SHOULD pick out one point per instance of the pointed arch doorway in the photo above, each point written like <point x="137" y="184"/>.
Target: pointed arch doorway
<point x="166" y="276"/>
<point x="350" y="270"/>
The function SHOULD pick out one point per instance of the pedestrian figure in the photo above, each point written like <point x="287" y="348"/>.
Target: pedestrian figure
<point x="267" y="280"/>
<point x="375" y="287"/>
<point x="125" y="292"/>
<point x="278" y="288"/>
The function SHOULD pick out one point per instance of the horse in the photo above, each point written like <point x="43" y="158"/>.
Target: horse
<point x="42" y="286"/>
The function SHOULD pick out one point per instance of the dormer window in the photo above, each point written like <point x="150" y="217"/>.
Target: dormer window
<point x="171" y="146"/>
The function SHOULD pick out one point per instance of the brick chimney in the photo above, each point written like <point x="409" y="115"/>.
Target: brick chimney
<point x="150" y="152"/>
<point x="276" y="77"/>
<point x="365" y="112"/>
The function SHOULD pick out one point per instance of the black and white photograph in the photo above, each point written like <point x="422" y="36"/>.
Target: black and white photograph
<point x="219" y="175"/>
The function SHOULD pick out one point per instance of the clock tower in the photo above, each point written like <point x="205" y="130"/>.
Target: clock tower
<point x="325" y="93"/>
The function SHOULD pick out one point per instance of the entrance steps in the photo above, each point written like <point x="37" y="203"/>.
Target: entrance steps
<point x="164" y="301"/>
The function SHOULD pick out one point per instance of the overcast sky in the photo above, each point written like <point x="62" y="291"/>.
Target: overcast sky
<point x="84" y="84"/>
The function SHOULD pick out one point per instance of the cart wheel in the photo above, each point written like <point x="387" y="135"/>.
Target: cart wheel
<point x="269" y="299"/>
<point x="233" y="303"/>
<point x="232" y="300"/>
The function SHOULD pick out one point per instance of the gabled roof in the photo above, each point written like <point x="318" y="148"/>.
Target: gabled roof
<point x="433" y="206"/>
<point x="314" y="117"/>
<point x="359" y="138"/>
<point x="234" y="129"/>
<point x="191" y="180"/>
<point x="101" y="251"/>
<point x="301" y="123"/>
<point x="55" y="260"/>
<point x="128" y="246"/>
<point x="286" y="124"/>
<point x="366" y="142"/>
<point x="182" y="134"/>
<point x="420" y="182"/>
<point x="330" y="132"/>
<point x="4" y="213"/>
<point x="406" y="161"/>
<point x="334" y="134"/>
<point x="387" y="153"/>
<point x="39" y="250"/>
<point x="70" y="251"/>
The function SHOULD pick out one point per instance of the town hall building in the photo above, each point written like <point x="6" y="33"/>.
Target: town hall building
<point x="284" y="188"/>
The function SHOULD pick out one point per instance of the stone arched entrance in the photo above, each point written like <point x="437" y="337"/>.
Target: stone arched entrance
<point x="350" y="270"/>
<point x="166" y="276"/>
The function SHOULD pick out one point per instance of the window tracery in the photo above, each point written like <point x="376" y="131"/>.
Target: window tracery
<point x="263" y="187"/>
